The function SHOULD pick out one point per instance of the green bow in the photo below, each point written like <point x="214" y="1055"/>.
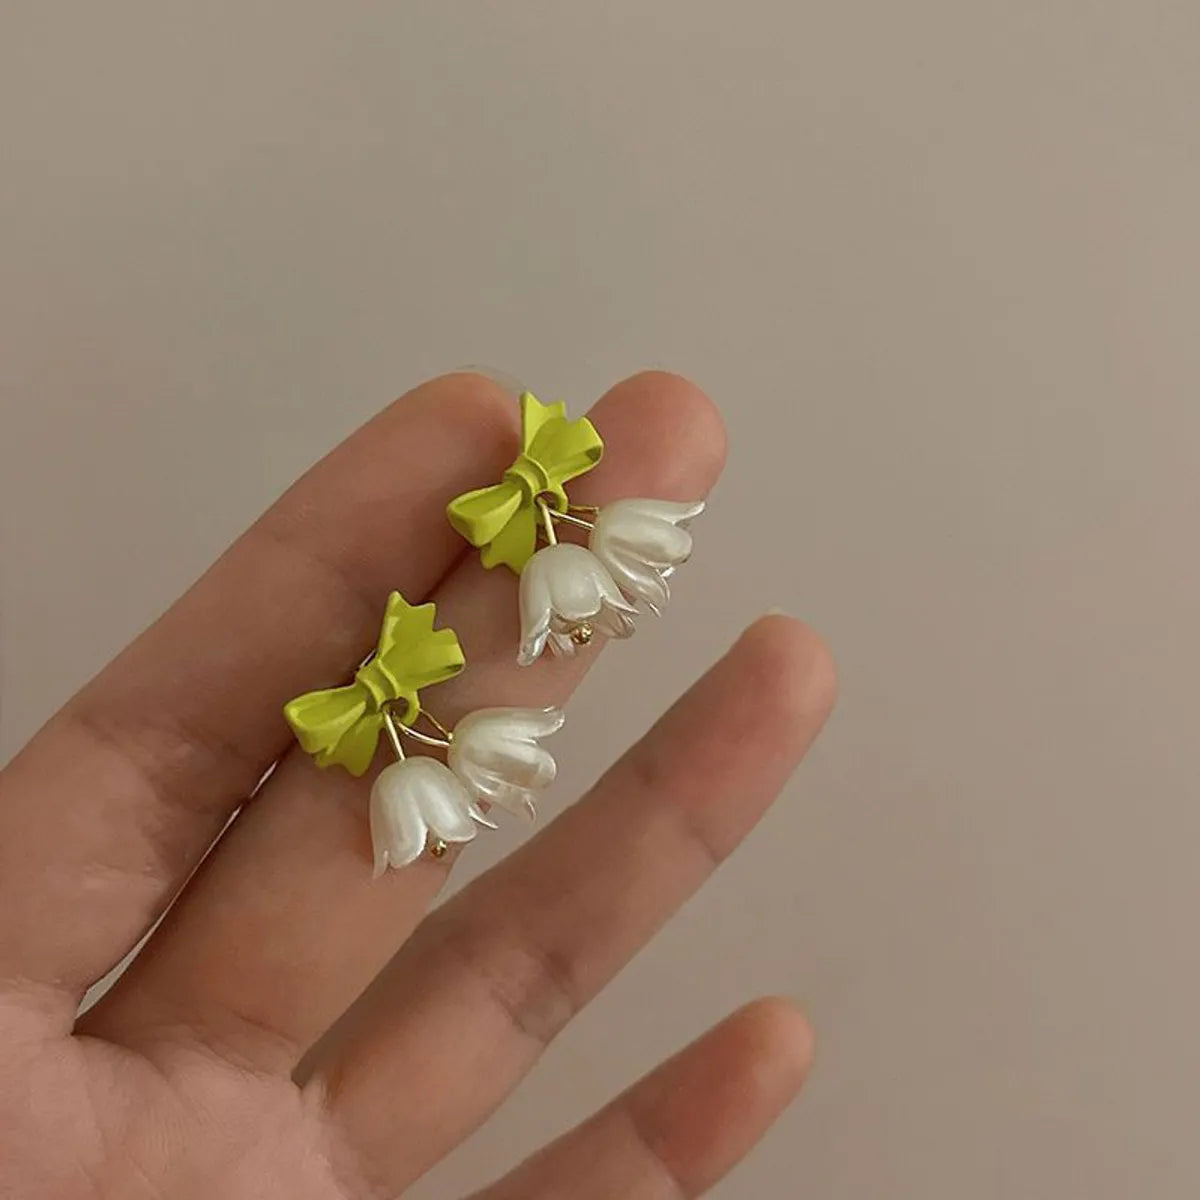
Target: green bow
<point x="503" y="518"/>
<point x="342" y="725"/>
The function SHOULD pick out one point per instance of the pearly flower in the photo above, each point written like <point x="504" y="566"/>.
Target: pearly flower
<point x="495" y="752"/>
<point x="412" y="801"/>
<point x="567" y="596"/>
<point x="641" y="542"/>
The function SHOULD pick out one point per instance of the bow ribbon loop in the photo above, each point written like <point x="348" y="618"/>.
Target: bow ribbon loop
<point x="342" y="725"/>
<point x="502" y="519"/>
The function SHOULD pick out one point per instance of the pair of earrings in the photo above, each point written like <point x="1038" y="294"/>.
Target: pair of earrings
<point x="569" y="593"/>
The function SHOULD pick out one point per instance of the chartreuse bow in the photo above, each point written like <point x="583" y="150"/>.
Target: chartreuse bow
<point x="419" y="803"/>
<point x="569" y="593"/>
<point x="342" y="725"/>
<point x="503" y="519"/>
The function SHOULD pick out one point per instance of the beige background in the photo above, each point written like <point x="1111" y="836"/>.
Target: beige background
<point x="939" y="263"/>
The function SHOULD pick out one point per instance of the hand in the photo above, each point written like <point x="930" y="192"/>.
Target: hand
<point x="240" y="1056"/>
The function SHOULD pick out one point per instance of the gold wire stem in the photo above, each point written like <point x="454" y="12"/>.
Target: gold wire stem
<point x="548" y="522"/>
<point x="436" y="724"/>
<point x="571" y="519"/>
<point x="424" y="738"/>
<point x="590" y="509"/>
<point x="393" y="732"/>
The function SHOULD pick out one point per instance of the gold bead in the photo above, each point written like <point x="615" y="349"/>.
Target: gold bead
<point x="438" y="849"/>
<point x="582" y="634"/>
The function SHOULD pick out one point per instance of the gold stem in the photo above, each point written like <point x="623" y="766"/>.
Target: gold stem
<point x="548" y="522"/>
<point x="436" y="724"/>
<point x="424" y="738"/>
<point x="571" y="519"/>
<point x="389" y="723"/>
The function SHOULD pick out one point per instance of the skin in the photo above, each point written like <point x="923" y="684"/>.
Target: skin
<point x="294" y="1029"/>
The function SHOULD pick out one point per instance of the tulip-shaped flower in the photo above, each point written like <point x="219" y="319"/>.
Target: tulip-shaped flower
<point x="411" y="802"/>
<point x="495" y="752"/>
<point x="641" y="542"/>
<point x="567" y="597"/>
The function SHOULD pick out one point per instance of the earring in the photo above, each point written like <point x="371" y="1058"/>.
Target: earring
<point x="492" y="755"/>
<point x="569" y="592"/>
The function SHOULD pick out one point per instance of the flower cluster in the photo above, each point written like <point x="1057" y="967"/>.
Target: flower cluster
<point x="493" y="758"/>
<point x="569" y="593"/>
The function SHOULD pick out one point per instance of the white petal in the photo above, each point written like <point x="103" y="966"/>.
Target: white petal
<point x="398" y="832"/>
<point x="443" y="802"/>
<point x="412" y="800"/>
<point x="578" y="582"/>
<point x="673" y="511"/>
<point x="655" y="542"/>
<point x="522" y="763"/>
<point x="495" y="752"/>
<point x="501" y="744"/>
<point x="640" y="580"/>
<point x="528" y="722"/>
<point x="653" y="529"/>
<point x="641" y="542"/>
<point x="513" y="799"/>
<point x="561" y="645"/>
<point x="520" y="723"/>
<point x="613" y="622"/>
<point x="562" y="587"/>
<point x="607" y="587"/>
<point x="531" y="648"/>
<point x="480" y="818"/>
<point x="615" y="616"/>
<point x="534" y="603"/>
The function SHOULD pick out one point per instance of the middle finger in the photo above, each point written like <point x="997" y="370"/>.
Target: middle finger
<point x="462" y="1013"/>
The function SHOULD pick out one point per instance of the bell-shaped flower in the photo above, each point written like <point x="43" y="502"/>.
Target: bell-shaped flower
<point x="641" y="542"/>
<point x="567" y="597"/>
<point x="412" y="802"/>
<point x="495" y="752"/>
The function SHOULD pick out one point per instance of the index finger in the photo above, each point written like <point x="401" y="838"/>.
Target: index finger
<point x="105" y="813"/>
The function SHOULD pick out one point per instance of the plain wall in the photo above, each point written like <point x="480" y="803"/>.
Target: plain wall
<point x="937" y="261"/>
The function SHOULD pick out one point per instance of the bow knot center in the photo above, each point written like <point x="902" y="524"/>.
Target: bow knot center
<point x="378" y="682"/>
<point x="532" y="477"/>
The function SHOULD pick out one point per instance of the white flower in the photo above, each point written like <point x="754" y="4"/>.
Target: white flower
<point x="495" y="752"/>
<point x="566" y="597"/>
<point x="412" y="801"/>
<point x="641" y="542"/>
